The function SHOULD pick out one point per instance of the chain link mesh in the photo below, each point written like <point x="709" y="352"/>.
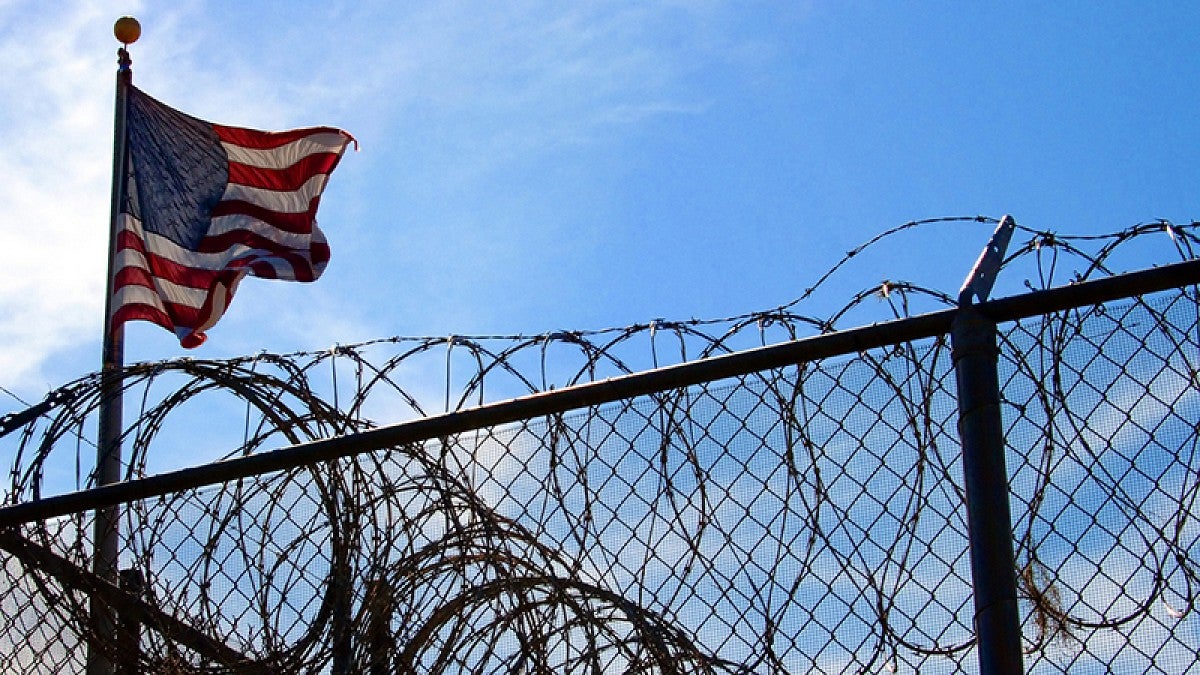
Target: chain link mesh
<point x="802" y="519"/>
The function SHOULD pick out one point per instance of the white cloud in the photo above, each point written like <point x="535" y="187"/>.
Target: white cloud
<point x="480" y="88"/>
<point x="58" y="158"/>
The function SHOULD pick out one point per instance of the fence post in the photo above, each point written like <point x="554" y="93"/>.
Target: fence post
<point x="129" y="627"/>
<point x="341" y="588"/>
<point x="380" y="604"/>
<point x="985" y="477"/>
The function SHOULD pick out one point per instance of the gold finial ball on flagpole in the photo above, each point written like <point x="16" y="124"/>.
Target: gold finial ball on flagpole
<point x="127" y="29"/>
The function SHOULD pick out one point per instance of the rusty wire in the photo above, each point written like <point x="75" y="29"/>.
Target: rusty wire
<point x="782" y="522"/>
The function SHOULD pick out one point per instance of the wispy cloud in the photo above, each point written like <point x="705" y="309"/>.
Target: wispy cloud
<point x="451" y="98"/>
<point x="512" y="77"/>
<point x="58" y="122"/>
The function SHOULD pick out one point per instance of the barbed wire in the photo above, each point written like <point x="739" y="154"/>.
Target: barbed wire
<point x="572" y="543"/>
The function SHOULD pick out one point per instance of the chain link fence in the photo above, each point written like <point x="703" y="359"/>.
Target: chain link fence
<point x="803" y="517"/>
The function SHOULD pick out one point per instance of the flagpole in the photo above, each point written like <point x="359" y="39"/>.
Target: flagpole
<point x="106" y="533"/>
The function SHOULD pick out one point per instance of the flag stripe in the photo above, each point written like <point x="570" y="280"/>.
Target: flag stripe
<point x="230" y="246"/>
<point x="296" y="223"/>
<point x="149" y="300"/>
<point x="139" y="303"/>
<point x="263" y="140"/>
<point x="291" y="177"/>
<point x="225" y="202"/>
<point x="176" y="267"/>
<point x="299" y="200"/>
<point x="285" y="155"/>
<point x="280" y="230"/>
<point x="137" y="267"/>
<point x="166" y="252"/>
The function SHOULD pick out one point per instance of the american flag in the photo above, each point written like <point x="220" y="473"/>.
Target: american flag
<point x="203" y="205"/>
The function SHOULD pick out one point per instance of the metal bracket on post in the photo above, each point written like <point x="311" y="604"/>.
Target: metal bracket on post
<point x="979" y="282"/>
<point x="985" y="477"/>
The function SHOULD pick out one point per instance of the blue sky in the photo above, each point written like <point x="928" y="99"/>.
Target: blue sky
<point x="528" y="167"/>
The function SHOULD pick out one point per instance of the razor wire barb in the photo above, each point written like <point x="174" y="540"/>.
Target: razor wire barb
<point x="793" y="520"/>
